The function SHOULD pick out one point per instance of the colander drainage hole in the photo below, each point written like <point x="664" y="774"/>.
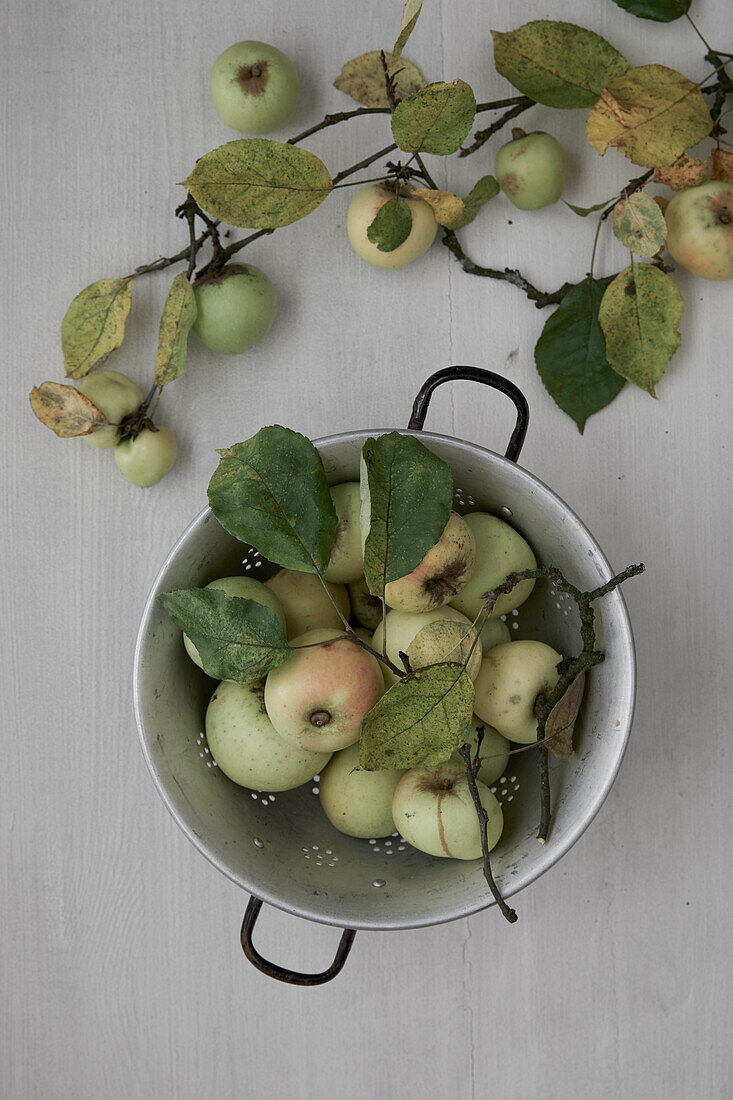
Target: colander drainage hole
<point x="378" y="882"/>
<point x="258" y="843"/>
<point x="315" y="790"/>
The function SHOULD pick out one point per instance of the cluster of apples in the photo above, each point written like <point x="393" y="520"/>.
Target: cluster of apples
<point x="305" y="718"/>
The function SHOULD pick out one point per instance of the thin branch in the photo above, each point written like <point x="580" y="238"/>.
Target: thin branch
<point x="364" y="163"/>
<point x="333" y="120"/>
<point x="483" y="817"/>
<point x="541" y="298"/>
<point x="522" y="104"/>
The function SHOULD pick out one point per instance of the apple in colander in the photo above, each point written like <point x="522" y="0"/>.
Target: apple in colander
<point x="433" y="810"/>
<point x="512" y="675"/>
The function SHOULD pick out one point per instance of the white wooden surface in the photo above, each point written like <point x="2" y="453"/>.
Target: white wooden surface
<point x="120" y="967"/>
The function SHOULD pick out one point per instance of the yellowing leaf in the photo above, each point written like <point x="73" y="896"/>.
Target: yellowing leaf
<point x="447" y="207"/>
<point x="65" y="410"/>
<point x="410" y="14"/>
<point x="256" y="183"/>
<point x="94" y="324"/>
<point x="722" y="166"/>
<point x="437" y="119"/>
<point x="179" y="313"/>
<point x="639" y="315"/>
<point x="362" y="78"/>
<point x="651" y="113"/>
<point x="686" y="171"/>
<point x="559" y="64"/>
<point x="639" y="224"/>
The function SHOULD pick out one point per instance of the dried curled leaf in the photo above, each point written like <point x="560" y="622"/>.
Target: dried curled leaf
<point x="362" y="79"/>
<point x="722" y="166"/>
<point x="391" y="226"/>
<point x="560" y="723"/>
<point x="639" y="224"/>
<point x="94" y="324"/>
<point x="437" y="119"/>
<point x="410" y="15"/>
<point x="65" y="410"/>
<point x="559" y="64"/>
<point x="685" y="172"/>
<point x="446" y="206"/>
<point x="639" y="315"/>
<point x="256" y="183"/>
<point x="651" y="113"/>
<point x="179" y="313"/>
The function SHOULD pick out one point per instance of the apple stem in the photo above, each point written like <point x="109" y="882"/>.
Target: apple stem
<point x="483" y="817"/>
<point x="482" y="136"/>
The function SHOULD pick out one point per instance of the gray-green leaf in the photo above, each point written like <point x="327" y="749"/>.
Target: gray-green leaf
<point x="258" y="183"/>
<point x="437" y="119"/>
<point x="179" y="313"/>
<point x="584" y="211"/>
<point x="392" y="225"/>
<point x="661" y="11"/>
<point x="571" y="354"/>
<point x="406" y="493"/>
<point x="237" y="639"/>
<point x="271" y="492"/>
<point x="482" y="192"/>
<point x="410" y="14"/>
<point x="420" y="720"/>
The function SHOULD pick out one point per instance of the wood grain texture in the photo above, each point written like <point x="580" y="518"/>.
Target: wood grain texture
<point x="120" y="970"/>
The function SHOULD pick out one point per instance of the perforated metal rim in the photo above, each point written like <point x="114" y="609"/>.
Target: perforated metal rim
<point x="552" y="851"/>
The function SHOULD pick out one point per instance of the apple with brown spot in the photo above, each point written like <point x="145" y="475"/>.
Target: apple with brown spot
<point x="441" y="574"/>
<point x="434" y="811"/>
<point x="700" y="229"/>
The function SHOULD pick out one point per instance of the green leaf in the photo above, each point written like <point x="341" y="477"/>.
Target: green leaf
<point x="639" y="315"/>
<point x="651" y="113"/>
<point x="406" y="494"/>
<point x="65" y="410"/>
<point x="482" y="192"/>
<point x="584" y="211"/>
<point x="437" y="119"/>
<point x="94" y="324"/>
<point x="259" y="184"/>
<point x="639" y="224"/>
<point x="571" y="355"/>
<point x="559" y="64"/>
<point x="661" y="11"/>
<point x="237" y="639"/>
<point x="392" y="225"/>
<point x="271" y="492"/>
<point x="410" y="14"/>
<point x="179" y="313"/>
<point x="362" y="78"/>
<point x="422" y="719"/>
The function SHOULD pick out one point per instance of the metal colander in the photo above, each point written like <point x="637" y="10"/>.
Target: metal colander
<point x="281" y="848"/>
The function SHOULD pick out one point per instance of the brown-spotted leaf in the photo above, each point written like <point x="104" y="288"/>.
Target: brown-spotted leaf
<point x="179" y="313"/>
<point x="94" y="324"/>
<point x="639" y="224"/>
<point x="447" y="207"/>
<point x="65" y="410"/>
<point x="640" y="314"/>
<point x="446" y="640"/>
<point x="651" y="113"/>
<point x="410" y="15"/>
<point x="560" y="723"/>
<point x="362" y="78"/>
<point x="685" y="172"/>
<point x="436" y="120"/>
<point x="722" y="166"/>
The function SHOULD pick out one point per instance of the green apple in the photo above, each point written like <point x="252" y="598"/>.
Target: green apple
<point x="115" y="395"/>
<point x="346" y="562"/>
<point x="434" y="811"/>
<point x="306" y="603"/>
<point x="511" y="677"/>
<point x="442" y="573"/>
<point x="246" y="747"/>
<point x="362" y="212"/>
<point x="319" y="696"/>
<point x="500" y="550"/>
<point x="236" y="308"/>
<point x="494" y="751"/>
<point x="367" y="609"/>
<point x="494" y="632"/>
<point x="255" y="87"/>
<point x="355" y="801"/>
<point x="531" y="169"/>
<point x="148" y="457"/>
<point x="249" y="589"/>
<point x="422" y="638"/>
<point x="700" y="229"/>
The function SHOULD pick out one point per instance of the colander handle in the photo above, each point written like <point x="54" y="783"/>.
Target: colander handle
<point x="292" y="977"/>
<point x="487" y="378"/>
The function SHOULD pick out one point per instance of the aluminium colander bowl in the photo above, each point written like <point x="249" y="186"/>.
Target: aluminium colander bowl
<point x="281" y="848"/>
